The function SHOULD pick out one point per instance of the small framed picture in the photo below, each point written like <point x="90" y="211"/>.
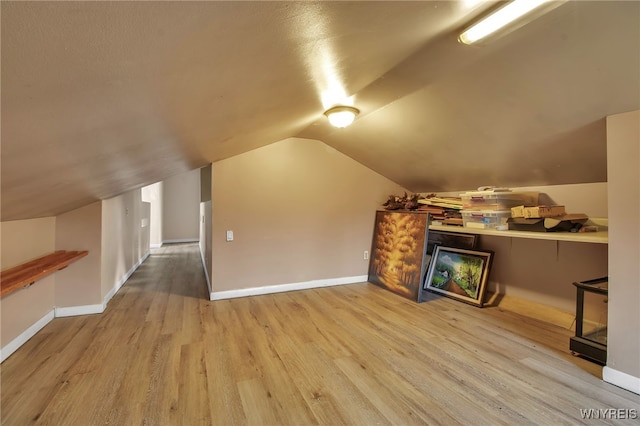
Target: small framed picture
<point x="459" y="273"/>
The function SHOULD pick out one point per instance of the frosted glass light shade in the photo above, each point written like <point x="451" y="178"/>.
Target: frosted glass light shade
<point x="499" y="19"/>
<point x="341" y="116"/>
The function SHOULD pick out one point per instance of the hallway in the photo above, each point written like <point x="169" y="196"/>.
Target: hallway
<point x="163" y="354"/>
<point x="120" y="366"/>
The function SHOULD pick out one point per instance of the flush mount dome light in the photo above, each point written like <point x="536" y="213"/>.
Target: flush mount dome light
<point x="341" y="116"/>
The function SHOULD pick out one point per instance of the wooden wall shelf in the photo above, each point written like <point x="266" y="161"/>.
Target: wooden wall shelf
<point x="600" y="237"/>
<point x="24" y="275"/>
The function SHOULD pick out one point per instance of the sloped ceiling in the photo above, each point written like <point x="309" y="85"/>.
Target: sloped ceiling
<point x="99" y="98"/>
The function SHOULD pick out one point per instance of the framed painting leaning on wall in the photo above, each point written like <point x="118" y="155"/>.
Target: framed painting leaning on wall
<point x="459" y="273"/>
<point x="397" y="260"/>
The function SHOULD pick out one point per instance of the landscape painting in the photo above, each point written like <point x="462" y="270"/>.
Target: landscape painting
<point x="446" y="239"/>
<point x="397" y="252"/>
<point x="459" y="273"/>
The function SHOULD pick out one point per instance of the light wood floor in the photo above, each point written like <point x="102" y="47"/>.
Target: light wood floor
<point x="162" y="354"/>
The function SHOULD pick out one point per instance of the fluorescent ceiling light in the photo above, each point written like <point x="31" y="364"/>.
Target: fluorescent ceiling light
<point x="341" y="116"/>
<point x="499" y="19"/>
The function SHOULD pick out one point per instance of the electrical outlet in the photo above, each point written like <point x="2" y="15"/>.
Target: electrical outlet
<point x="229" y="235"/>
<point x="366" y="255"/>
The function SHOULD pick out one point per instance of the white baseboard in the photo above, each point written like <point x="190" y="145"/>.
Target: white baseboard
<point x="124" y="279"/>
<point x="620" y="379"/>
<point x="59" y="312"/>
<point x="155" y="245"/>
<point x="181" y="240"/>
<point x="255" y="291"/>
<point x="13" y="345"/>
<point x="73" y="311"/>
<point x="206" y="273"/>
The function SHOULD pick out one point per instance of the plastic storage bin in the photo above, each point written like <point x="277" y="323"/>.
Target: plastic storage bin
<point x="490" y="200"/>
<point x="491" y="219"/>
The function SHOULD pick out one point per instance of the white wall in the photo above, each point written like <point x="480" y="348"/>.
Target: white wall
<point x="153" y="195"/>
<point x="623" y="165"/>
<point x="181" y="207"/>
<point x="205" y="239"/>
<point x="205" y="220"/>
<point x="125" y="242"/>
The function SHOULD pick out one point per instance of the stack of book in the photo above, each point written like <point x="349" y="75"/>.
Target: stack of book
<point x="443" y="210"/>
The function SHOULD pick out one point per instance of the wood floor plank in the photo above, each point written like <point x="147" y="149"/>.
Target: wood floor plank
<point x="225" y="402"/>
<point x="193" y="399"/>
<point x="334" y="399"/>
<point x="163" y="392"/>
<point x="256" y="403"/>
<point x="286" y="401"/>
<point x="392" y="401"/>
<point x="163" y="354"/>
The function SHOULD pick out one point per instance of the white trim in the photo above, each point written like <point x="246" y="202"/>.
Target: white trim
<point x="255" y="291"/>
<point x="181" y="240"/>
<point x="108" y="297"/>
<point x="204" y="266"/>
<point x="72" y="311"/>
<point x="13" y="345"/>
<point x="155" y="245"/>
<point x="620" y="379"/>
<point x="124" y="279"/>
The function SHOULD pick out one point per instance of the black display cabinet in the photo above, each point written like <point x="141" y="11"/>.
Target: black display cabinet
<point x="590" y="340"/>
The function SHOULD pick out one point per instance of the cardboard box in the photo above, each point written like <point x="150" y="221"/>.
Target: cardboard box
<point x="517" y="211"/>
<point x="544" y="211"/>
<point x="565" y="223"/>
<point x="537" y="211"/>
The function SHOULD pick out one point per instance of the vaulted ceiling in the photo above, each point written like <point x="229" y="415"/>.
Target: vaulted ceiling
<point x="99" y="98"/>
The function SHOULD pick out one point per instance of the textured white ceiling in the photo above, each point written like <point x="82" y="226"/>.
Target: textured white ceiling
<point x="99" y="98"/>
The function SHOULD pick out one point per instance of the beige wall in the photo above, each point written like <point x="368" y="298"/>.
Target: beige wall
<point x="587" y="198"/>
<point x="80" y="229"/>
<point x="623" y="163"/>
<point x="123" y="239"/>
<point x="543" y="271"/>
<point x="116" y="234"/>
<point x="300" y="211"/>
<point x="21" y="241"/>
<point x="181" y="207"/>
<point x="205" y="184"/>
